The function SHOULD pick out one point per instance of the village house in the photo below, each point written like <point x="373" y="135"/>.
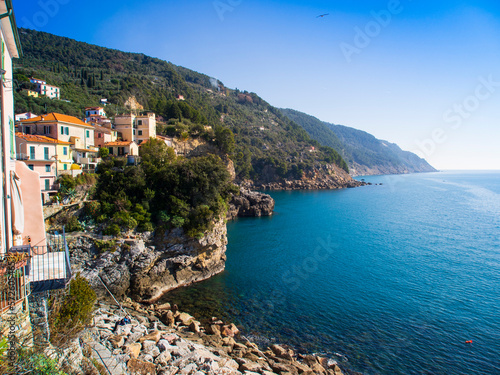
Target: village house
<point x="136" y="128"/>
<point x="94" y="111"/>
<point x="43" y="88"/>
<point x="25" y="116"/>
<point x="122" y="148"/>
<point x="103" y="135"/>
<point x="32" y="93"/>
<point x="39" y="153"/>
<point x="64" y="128"/>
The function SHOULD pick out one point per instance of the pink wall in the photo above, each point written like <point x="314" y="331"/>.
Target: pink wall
<point x="34" y="224"/>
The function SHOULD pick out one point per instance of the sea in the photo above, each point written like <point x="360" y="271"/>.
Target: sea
<point x="399" y="277"/>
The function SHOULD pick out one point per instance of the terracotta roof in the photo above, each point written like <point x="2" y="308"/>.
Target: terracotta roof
<point x="86" y="150"/>
<point x="101" y="129"/>
<point x="40" y="139"/>
<point x="57" y="117"/>
<point x="118" y="143"/>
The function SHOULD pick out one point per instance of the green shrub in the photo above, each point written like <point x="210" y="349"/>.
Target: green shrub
<point x="71" y="310"/>
<point x="104" y="246"/>
<point x="112" y="230"/>
<point x="73" y="225"/>
<point x="146" y="227"/>
<point x="92" y="208"/>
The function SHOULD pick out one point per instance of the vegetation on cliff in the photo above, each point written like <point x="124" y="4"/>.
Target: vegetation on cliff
<point x="264" y="145"/>
<point x="163" y="190"/>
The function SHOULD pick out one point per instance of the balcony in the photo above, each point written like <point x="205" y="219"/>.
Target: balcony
<point x="13" y="283"/>
<point x="90" y="160"/>
<point x="49" y="266"/>
<point x="36" y="269"/>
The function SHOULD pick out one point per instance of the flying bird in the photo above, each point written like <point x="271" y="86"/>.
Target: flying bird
<point x="323" y="15"/>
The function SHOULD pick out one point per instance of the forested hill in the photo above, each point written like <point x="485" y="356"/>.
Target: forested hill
<point x="267" y="146"/>
<point x="365" y="154"/>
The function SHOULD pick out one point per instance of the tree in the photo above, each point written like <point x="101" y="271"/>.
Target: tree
<point x="103" y="152"/>
<point x="224" y="138"/>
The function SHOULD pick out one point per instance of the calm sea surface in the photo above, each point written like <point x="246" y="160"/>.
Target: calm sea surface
<point x="390" y="279"/>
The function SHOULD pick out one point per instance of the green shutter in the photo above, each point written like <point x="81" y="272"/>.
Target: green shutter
<point x="12" y="138"/>
<point x="3" y="55"/>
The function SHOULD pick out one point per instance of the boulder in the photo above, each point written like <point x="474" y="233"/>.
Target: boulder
<point x="153" y="336"/>
<point x="195" y="326"/>
<point x="250" y="203"/>
<point x="163" y="359"/>
<point x="117" y="341"/>
<point x="133" y="350"/>
<point x="137" y="367"/>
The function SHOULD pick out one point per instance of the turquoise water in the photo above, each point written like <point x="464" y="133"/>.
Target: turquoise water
<point x="389" y="279"/>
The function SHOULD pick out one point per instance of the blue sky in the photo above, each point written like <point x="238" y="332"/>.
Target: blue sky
<point x="422" y="74"/>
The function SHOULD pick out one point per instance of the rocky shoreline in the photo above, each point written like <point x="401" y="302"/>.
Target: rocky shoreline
<point x="162" y="340"/>
<point x="322" y="177"/>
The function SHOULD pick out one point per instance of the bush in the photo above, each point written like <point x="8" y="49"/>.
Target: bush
<point x="112" y="230"/>
<point x="30" y="362"/>
<point x="73" y="225"/>
<point x="104" y="246"/>
<point x="71" y="311"/>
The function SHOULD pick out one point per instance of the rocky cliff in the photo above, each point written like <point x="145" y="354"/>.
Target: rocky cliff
<point x="322" y="177"/>
<point x="250" y="203"/>
<point x="146" y="268"/>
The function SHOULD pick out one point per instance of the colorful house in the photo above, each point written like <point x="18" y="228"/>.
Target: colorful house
<point x="25" y="116"/>
<point x="104" y="135"/>
<point x="94" y="111"/>
<point x="136" y="128"/>
<point x="61" y="127"/>
<point x="42" y="88"/>
<point x="122" y="148"/>
<point x="39" y="153"/>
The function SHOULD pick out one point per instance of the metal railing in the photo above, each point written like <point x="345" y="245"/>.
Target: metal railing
<point x="13" y="284"/>
<point x="49" y="266"/>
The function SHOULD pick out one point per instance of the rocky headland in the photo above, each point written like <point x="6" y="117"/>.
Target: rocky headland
<point x="322" y="177"/>
<point x="145" y="266"/>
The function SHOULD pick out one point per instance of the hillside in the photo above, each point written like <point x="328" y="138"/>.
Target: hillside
<point x="365" y="154"/>
<point x="265" y="145"/>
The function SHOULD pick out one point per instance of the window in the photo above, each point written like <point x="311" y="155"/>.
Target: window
<point x="47" y="184"/>
<point x="32" y="152"/>
<point x="62" y="130"/>
<point x="46" y="153"/>
<point x="65" y="167"/>
<point x="110" y="150"/>
<point x="67" y="130"/>
<point x="140" y="132"/>
<point x="99" y="135"/>
<point x="139" y="122"/>
<point x="134" y="131"/>
<point x="27" y="129"/>
<point x="31" y="166"/>
<point x="46" y="130"/>
<point x="65" y="151"/>
<point x="88" y="133"/>
<point x="47" y="167"/>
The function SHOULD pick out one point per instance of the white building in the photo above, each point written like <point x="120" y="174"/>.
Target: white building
<point x="42" y="88"/>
